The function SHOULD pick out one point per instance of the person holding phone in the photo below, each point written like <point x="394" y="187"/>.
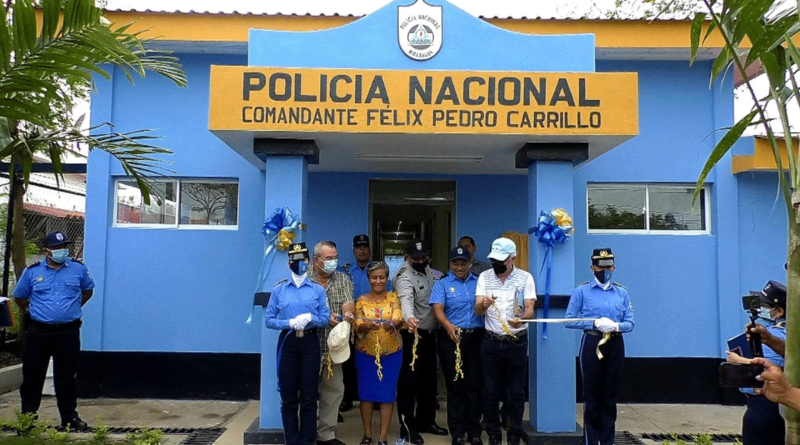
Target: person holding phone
<point x="762" y="422"/>
<point x="776" y="387"/>
<point x="461" y="331"/>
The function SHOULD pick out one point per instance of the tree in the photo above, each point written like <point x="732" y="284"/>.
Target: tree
<point x="43" y="67"/>
<point x="769" y="27"/>
<point x="209" y="198"/>
<point x="637" y="9"/>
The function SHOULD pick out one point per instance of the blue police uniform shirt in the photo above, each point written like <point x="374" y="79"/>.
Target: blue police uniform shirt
<point x="360" y="279"/>
<point x="287" y="301"/>
<point x="590" y="300"/>
<point x="778" y="329"/>
<point x="55" y="294"/>
<point x="458" y="298"/>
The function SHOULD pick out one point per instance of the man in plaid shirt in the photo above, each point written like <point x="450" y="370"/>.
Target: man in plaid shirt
<point x="339" y="290"/>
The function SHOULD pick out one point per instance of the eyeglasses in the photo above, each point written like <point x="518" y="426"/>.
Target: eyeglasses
<point x="329" y="258"/>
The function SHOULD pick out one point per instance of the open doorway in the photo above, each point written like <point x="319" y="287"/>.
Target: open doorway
<point x="401" y="210"/>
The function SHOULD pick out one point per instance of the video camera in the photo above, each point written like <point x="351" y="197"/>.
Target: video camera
<point x="752" y="304"/>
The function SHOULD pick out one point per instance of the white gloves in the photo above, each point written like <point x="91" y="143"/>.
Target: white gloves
<point x="299" y="323"/>
<point x="606" y="325"/>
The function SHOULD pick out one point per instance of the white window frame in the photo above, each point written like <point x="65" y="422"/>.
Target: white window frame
<point x="177" y="224"/>
<point x="646" y="231"/>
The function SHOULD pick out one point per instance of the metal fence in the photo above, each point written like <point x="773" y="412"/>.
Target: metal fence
<point x="37" y="225"/>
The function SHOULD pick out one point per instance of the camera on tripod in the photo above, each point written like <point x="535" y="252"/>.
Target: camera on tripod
<point x="752" y="304"/>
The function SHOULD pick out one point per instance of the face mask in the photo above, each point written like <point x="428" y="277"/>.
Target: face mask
<point x="59" y="255"/>
<point x="603" y="276"/>
<point x="499" y="267"/>
<point x="764" y="313"/>
<point x="299" y="267"/>
<point x="419" y="267"/>
<point x="330" y="265"/>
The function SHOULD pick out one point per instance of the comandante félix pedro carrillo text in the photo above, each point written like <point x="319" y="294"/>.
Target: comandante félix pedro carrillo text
<point x="281" y="99"/>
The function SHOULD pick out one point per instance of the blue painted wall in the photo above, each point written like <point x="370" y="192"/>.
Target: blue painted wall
<point x="671" y="278"/>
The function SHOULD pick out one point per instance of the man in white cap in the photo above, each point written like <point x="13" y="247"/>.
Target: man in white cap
<point x="504" y="295"/>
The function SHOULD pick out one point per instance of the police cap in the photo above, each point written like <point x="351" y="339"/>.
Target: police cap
<point x="602" y="257"/>
<point x="298" y="251"/>
<point x="773" y="294"/>
<point x="417" y="248"/>
<point x="55" y="238"/>
<point x="360" y="240"/>
<point x="459" y="253"/>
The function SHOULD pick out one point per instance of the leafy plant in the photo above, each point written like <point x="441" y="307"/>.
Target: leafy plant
<point x="146" y="436"/>
<point x="100" y="433"/>
<point x="54" y="435"/>
<point x="27" y="424"/>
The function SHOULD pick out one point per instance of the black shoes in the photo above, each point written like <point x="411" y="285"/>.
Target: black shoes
<point x="339" y="418"/>
<point x="514" y="441"/>
<point x="434" y="429"/>
<point x="333" y="441"/>
<point x="345" y="406"/>
<point x="474" y="440"/>
<point x="412" y="438"/>
<point x="76" y="425"/>
<point x="496" y="440"/>
<point x="459" y="441"/>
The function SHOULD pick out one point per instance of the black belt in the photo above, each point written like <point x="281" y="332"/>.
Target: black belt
<point x="521" y="336"/>
<point x="304" y="332"/>
<point x="597" y="333"/>
<point x="55" y="326"/>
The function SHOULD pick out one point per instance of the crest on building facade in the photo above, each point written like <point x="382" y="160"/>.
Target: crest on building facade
<point x="419" y="30"/>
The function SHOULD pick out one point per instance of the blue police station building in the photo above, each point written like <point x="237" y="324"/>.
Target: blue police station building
<point x="421" y="120"/>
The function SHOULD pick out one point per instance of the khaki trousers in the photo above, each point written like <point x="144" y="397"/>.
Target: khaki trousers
<point x="331" y="391"/>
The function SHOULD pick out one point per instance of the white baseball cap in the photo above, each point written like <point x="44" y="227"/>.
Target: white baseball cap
<point x="502" y="248"/>
<point x="338" y="342"/>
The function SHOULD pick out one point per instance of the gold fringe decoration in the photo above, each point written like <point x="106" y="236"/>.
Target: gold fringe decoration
<point x="459" y="362"/>
<point x="378" y="358"/>
<point x="329" y="364"/>
<point x="606" y="338"/>
<point x="414" y="349"/>
<point x="502" y="322"/>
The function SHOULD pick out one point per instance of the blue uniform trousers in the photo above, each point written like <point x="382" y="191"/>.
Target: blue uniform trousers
<point x="504" y="370"/>
<point x="463" y="395"/>
<point x="601" y="384"/>
<point x="762" y="423"/>
<point x="298" y="380"/>
<point x="62" y="342"/>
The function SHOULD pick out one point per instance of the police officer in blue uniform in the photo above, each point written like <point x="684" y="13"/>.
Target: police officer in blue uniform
<point x="453" y="301"/>
<point x="53" y="292"/>
<point x="602" y="350"/>
<point x="762" y="423"/>
<point x="297" y="308"/>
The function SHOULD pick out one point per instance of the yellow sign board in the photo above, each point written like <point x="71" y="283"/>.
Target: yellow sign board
<point x="384" y="101"/>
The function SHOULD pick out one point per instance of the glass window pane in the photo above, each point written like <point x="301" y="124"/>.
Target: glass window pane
<point x="131" y="208"/>
<point x="209" y="203"/>
<point x="620" y="207"/>
<point x="671" y="209"/>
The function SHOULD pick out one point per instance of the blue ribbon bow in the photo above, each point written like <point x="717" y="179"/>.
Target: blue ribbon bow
<point x="549" y="234"/>
<point x="282" y="219"/>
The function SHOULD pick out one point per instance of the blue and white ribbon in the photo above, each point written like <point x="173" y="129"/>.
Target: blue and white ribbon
<point x="549" y="233"/>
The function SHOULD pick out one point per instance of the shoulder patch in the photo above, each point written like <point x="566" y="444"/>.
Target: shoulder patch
<point x="780" y="325"/>
<point x="76" y="261"/>
<point x="619" y="285"/>
<point x="581" y="284"/>
<point x="32" y="265"/>
<point x="400" y="271"/>
<point x="279" y="282"/>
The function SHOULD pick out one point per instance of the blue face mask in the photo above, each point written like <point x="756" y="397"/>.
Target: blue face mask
<point x="330" y="265"/>
<point x="299" y="267"/>
<point x="59" y="255"/>
<point x="603" y="276"/>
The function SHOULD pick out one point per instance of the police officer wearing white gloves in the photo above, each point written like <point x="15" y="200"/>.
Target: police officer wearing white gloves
<point x="297" y="308"/>
<point x="609" y="303"/>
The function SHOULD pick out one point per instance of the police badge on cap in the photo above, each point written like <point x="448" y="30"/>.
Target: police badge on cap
<point x="602" y="257"/>
<point x="360" y="240"/>
<point x="417" y="249"/>
<point x="298" y="251"/>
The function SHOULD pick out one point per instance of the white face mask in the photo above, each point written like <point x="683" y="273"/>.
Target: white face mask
<point x="764" y="313"/>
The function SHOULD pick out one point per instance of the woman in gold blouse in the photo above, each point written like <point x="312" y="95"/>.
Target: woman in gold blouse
<point x="378" y="350"/>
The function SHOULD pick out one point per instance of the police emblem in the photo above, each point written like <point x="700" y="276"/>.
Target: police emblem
<point x="419" y="30"/>
<point x="40" y="278"/>
<point x="59" y="236"/>
<point x="452" y="289"/>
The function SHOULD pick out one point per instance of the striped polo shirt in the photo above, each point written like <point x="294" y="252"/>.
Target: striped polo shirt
<point x="518" y="286"/>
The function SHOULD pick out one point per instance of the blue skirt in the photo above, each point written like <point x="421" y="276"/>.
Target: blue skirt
<point x="370" y="389"/>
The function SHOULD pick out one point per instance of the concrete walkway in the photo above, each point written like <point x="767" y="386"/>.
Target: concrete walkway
<point x="237" y="416"/>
